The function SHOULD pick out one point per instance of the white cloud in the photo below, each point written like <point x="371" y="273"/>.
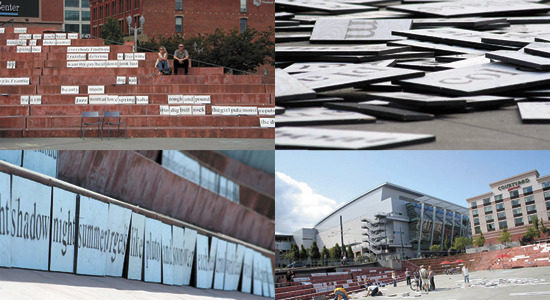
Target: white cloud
<point x="297" y="205"/>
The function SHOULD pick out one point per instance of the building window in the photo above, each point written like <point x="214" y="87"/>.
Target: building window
<point x="547" y="195"/>
<point x="489" y="218"/>
<point x="72" y="28"/>
<point x="85" y="15"/>
<point x="516" y="203"/>
<point x="527" y="190"/>
<point x="85" y="3"/>
<point x="488" y="209"/>
<point x="179" y="24"/>
<point x="107" y="10"/>
<point x="100" y="12"/>
<point x="477" y="229"/>
<point x="518" y="221"/>
<point x="517" y="212"/>
<point x="72" y="3"/>
<point x="546" y="185"/>
<point x="530" y="218"/>
<point x="531" y="209"/>
<point x="476" y="221"/>
<point x="491" y="227"/>
<point x="487" y="201"/>
<point x="128" y="4"/>
<point x="530" y="199"/>
<point x="243" y="5"/>
<point x="514" y="194"/>
<point x="85" y="29"/>
<point x="72" y="15"/>
<point x="243" y="25"/>
<point x="474" y="204"/>
<point x="474" y="213"/>
<point x="498" y="198"/>
<point x="179" y="4"/>
<point x="136" y="4"/>
<point x="500" y="206"/>
<point x="501" y="215"/>
<point x="502" y="224"/>
<point x="119" y="6"/>
<point x="547" y="205"/>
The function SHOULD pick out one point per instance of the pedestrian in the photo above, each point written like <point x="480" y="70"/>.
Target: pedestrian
<point x="340" y="294"/>
<point x="373" y="290"/>
<point x="394" y="278"/>
<point x="417" y="279"/>
<point x="408" y="274"/>
<point x="466" y="275"/>
<point x="425" y="278"/>
<point x="431" y="274"/>
<point x="162" y="61"/>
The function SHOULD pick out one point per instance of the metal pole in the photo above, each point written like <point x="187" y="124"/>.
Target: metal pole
<point x="342" y="238"/>
<point x="135" y="37"/>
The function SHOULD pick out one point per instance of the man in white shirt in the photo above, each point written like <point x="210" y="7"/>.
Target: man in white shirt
<point x="466" y="274"/>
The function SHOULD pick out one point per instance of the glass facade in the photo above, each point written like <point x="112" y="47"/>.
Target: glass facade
<point x="498" y="198"/>
<point x="72" y="28"/>
<point x="514" y="194"/>
<point x="243" y="22"/>
<point x="501" y="215"/>
<point x="72" y="3"/>
<point x="531" y="209"/>
<point x="491" y="227"/>
<point x="530" y="199"/>
<point x="474" y="204"/>
<point x="488" y="209"/>
<point x="179" y="24"/>
<point x="546" y="185"/>
<point x="546" y="195"/>
<point x="179" y="4"/>
<point x="500" y="206"/>
<point x="243" y="6"/>
<point x="516" y="203"/>
<point x="518" y="221"/>
<point x="517" y="212"/>
<point x="502" y="224"/>
<point x="474" y="213"/>
<point x="72" y="15"/>
<point x="486" y="201"/>
<point x="527" y="190"/>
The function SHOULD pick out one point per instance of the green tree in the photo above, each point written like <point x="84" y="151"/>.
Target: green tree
<point x="446" y="244"/>
<point x="479" y="240"/>
<point x="529" y="236"/>
<point x="335" y="252"/>
<point x="112" y="33"/>
<point x="303" y="253"/>
<point x="543" y="228"/>
<point x="535" y="221"/>
<point x="294" y="252"/>
<point x="435" y="247"/>
<point x="314" y="251"/>
<point x="505" y="236"/>
<point x="461" y="242"/>
<point x="349" y="253"/>
<point x="325" y="253"/>
<point x="240" y="51"/>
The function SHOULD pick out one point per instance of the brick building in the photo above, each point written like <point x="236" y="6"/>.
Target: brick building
<point x="186" y="17"/>
<point x="29" y="13"/>
<point x="511" y="204"/>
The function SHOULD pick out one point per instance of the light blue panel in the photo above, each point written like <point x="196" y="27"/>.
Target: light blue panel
<point x="44" y="162"/>
<point x="205" y="261"/>
<point x="178" y="234"/>
<point x="246" y="285"/>
<point x="5" y="208"/>
<point x="230" y="253"/>
<point x="219" y="272"/>
<point x="135" y="259"/>
<point x="63" y="231"/>
<point x="12" y="156"/>
<point x="153" y="250"/>
<point x="257" y="273"/>
<point x="93" y="224"/>
<point x="119" y="225"/>
<point x="190" y="239"/>
<point x="167" y="255"/>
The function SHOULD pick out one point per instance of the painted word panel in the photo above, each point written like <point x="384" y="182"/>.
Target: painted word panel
<point x="92" y="229"/>
<point x="190" y="240"/>
<point x="205" y="260"/>
<point x="5" y="225"/>
<point x="167" y="255"/>
<point x="63" y="231"/>
<point x="219" y="272"/>
<point x="117" y="236"/>
<point x="246" y="283"/>
<point x="153" y="245"/>
<point x="135" y="256"/>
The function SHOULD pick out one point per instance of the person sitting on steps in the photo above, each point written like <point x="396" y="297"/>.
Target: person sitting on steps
<point x="162" y="61"/>
<point x="181" y="59"/>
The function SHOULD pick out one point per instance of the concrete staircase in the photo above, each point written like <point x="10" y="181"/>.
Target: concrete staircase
<point x="230" y="106"/>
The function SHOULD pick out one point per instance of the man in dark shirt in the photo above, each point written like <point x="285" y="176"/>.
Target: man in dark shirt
<point x="181" y="59"/>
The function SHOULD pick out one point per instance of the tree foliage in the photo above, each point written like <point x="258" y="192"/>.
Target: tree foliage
<point x="543" y="229"/>
<point x="435" y="247"/>
<point x="335" y="252"/>
<point x="349" y="252"/>
<point x="505" y="236"/>
<point x="240" y="51"/>
<point x="314" y="251"/>
<point x="325" y="253"/>
<point x="479" y="240"/>
<point x="294" y="252"/>
<point x="112" y="33"/>
<point x="530" y="235"/>
<point x="303" y="253"/>
<point x="461" y="242"/>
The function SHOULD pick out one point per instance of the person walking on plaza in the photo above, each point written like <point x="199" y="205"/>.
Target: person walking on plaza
<point x="417" y="279"/>
<point x="181" y="59"/>
<point x="466" y="275"/>
<point x="431" y="276"/>
<point x="394" y="278"/>
<point x="424" y="277"/>
<point x="408" y="275"/>
<point x="340" y="294"/>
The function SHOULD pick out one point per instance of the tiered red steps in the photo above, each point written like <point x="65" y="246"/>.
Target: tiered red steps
<point x="324" y="284"/>
<point x="59" y="116"/>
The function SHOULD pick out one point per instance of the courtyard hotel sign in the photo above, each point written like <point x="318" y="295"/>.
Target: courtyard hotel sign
<point x="513" y="185"/>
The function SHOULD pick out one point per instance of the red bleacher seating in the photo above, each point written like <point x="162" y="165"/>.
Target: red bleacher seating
<point x="58" y="116"/>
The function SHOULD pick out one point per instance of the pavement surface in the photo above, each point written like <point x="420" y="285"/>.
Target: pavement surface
<point x="526" y="283"/>
<point x="136" y="144"/>
<point x="28" y="284"/>
<point x="490" y="129"/>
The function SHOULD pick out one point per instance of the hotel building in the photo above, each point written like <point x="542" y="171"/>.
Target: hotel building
<point x="511" y="204"/>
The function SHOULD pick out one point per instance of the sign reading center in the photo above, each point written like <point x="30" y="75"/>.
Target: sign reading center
<point x="513" y="184"/>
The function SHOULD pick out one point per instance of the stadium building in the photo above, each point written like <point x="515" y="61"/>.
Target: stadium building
<point x="512" y="203"/>
<point x="391" y="220"/>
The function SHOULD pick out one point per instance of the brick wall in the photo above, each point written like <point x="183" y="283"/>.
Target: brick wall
<point x="51" y="14"/>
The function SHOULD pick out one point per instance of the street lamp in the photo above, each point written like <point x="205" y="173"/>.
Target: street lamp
<point x="135" y="30"/>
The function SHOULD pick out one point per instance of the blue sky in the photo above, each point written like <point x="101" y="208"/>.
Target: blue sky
<point x="310" y="184"/>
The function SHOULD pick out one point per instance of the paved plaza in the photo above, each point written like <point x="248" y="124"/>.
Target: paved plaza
<point x="29" y="284"/>
<point x="525" y="283"/>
